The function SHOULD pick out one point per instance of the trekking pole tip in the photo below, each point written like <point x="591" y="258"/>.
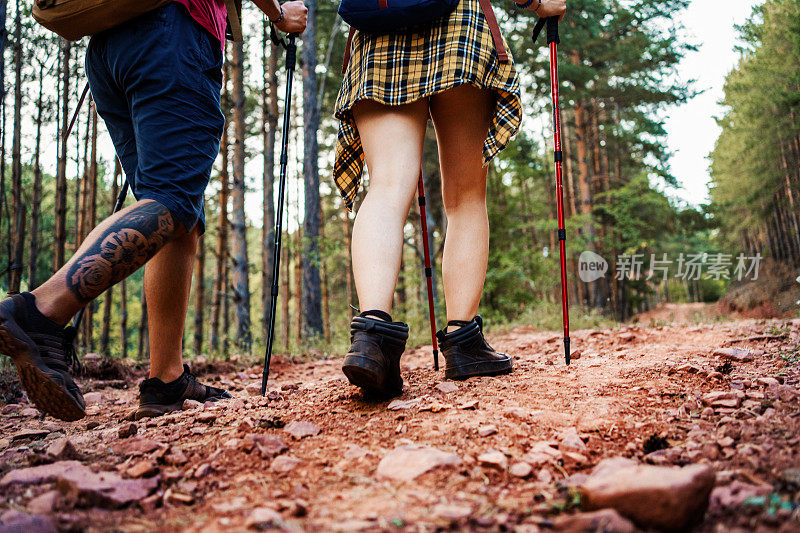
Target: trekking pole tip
<point x="436" y="360"/>
<point x="566" y="350"/>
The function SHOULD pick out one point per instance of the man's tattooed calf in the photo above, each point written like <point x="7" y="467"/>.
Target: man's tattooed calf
<point x="124" y="247"/>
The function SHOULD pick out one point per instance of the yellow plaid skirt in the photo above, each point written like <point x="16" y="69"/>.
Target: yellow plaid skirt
<point x="400" y="68"/>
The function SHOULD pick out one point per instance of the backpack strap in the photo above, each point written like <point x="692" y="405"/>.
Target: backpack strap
<point x="488" y="13"/>
<point x="347" y="50"/>
<point x="234" y="8"/>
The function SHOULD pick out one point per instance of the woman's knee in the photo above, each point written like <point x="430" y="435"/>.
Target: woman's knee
<point x="464" y="200"/>
<point x="390" y="196"/>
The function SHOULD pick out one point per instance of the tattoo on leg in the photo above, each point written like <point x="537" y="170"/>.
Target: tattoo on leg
<point x="124" y="247"/>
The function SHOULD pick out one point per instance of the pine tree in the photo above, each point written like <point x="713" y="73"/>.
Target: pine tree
<point x="20" y="210"/>
<point x="312" y="298"/>
<point x="240" y="264"/>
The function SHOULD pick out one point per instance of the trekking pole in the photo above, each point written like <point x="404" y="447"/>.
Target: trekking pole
<point x="428" y="271"/>
<point x="553" y="41"/>
<point x="291" y="56"/>
<point x="85" y="91"/>
<point x="76" y="322"/>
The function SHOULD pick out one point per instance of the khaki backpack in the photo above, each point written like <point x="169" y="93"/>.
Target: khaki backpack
<point x="74" y="19"/>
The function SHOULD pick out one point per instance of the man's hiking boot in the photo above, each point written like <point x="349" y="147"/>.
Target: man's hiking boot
<point x="373" y="362"/>
<point x="44" y="356"/>
<point x="157" y="398"/>
<point x="467" y="353"/>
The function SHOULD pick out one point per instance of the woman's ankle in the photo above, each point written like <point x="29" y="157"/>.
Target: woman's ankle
<point x="456" y="324"/>
<point x="377" y="314"/>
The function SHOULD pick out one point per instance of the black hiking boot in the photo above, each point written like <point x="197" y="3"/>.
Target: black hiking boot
<point x="44" y="356"/>
<point x="373" y="362"/>
<point x="157" y="398"/>
<point x="467" y="353"/>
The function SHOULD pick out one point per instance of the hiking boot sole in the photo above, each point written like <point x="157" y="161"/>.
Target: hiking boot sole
<point x="47" y="394"/>
<point x="364" y="372"/>
<point x="479" y="368"/>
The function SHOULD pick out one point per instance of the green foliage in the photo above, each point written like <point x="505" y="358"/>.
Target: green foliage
<point x="753" y="159"/>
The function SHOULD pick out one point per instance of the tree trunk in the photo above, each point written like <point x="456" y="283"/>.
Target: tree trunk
<point x="269" y="126"/>
<point x="285" y="322"/>
<point x="60" y="228"/>
<point x="312" y="298"/>
<point x="581" y="131"/>
<point x="326" y="311"/>
<point x="82" y="181"/>
<point x="241" y="283"/>
<point x="91" y="219"/>
<point x="298" y="285"/>
<point x="199" y="295"/>
<point x="569" y="200"/>
<point x="105" y="335"/>
<point x="222" y="228"/>
<point x="18" y="226"/>
<point x="3" y="206"/>
<point x="36" y="204"/>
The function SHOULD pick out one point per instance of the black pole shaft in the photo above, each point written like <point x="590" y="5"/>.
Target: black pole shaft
<point x="291" y="56"/>
<point x="76" y="322"/>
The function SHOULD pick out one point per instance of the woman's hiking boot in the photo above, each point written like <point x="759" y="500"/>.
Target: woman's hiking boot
<point x="467" y="353"/>
<point x="373" y="362"/>
<point x="157" y="398"/>
<point x="44" y="356"/>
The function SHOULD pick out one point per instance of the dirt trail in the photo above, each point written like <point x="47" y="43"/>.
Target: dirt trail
<point x="631" y="391"/>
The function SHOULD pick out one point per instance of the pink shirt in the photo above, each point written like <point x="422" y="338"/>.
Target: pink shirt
<point x="210" y="14"/>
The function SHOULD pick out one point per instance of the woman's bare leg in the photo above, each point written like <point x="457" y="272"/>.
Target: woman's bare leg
<point x="392" y="138"/>
<point x="461" y="117"/>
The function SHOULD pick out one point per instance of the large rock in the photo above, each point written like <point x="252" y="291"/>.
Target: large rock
<point x="103" y="489"/>
<point x="409" y="461"/>
<point x="664" y="498"/>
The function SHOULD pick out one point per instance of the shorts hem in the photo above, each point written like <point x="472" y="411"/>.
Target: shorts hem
<point x="189" y="220"/>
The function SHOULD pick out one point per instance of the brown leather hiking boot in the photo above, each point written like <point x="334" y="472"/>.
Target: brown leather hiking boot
<point x="467" y="353"/>
<point x="157" y="398"/>
<point x="373" y="362"/>
<point x="44" y="356"/>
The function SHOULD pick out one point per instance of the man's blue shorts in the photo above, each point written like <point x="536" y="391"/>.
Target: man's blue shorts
<point x="156" y="83"/>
